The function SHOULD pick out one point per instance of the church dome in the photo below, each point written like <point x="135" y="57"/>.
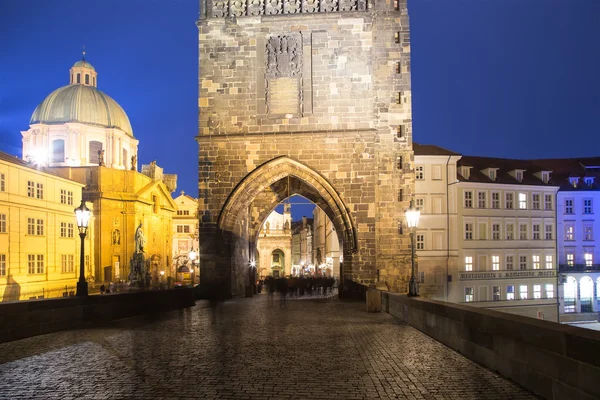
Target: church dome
<point x="84" y="104"/>
<point x="85" y="64"/>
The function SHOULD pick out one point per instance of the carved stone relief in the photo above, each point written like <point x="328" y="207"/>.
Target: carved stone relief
<point x="284" y="56"/>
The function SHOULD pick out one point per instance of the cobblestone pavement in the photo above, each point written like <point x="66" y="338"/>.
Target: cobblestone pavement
<point x="247" y="349"/>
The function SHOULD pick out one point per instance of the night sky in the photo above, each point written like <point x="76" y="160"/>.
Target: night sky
<point x="498" y="78"/>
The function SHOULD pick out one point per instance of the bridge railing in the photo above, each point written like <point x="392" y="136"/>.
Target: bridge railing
<point x="552" y="360"/>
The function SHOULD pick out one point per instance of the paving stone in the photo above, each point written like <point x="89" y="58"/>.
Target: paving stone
<point x="247" y="348"/>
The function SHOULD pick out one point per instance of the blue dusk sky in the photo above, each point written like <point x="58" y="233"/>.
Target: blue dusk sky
<point x="498" y="78"/>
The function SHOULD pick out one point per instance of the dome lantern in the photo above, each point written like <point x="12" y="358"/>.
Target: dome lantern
<point x="83" y="73"/>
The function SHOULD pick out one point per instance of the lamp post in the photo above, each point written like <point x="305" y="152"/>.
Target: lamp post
<point x="82" y="214"/>
<point x="192" y="257"/>
<point x="412" y="220"/>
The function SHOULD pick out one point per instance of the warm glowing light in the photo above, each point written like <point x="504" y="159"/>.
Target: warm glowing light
<point x="39" y="156"/>
<point x="82" y="214"/>
<point x="162" y="272"/>
<point x="253" y="263"/>
<point x="192" y="255"/>
<point x="412" y="215"/>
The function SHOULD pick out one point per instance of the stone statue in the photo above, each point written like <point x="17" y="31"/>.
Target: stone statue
<point x="139" y="240"/>
<point x="116" y="237"/>
<point x="100" y="157"/>
<point x="133" y="162"/>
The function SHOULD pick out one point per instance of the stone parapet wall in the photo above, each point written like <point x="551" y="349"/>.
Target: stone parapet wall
<point x="19" y="320"/>
<point x="552" y="360"/>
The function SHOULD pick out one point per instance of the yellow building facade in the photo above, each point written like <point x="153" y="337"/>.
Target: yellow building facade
<point x="39" y="240"/>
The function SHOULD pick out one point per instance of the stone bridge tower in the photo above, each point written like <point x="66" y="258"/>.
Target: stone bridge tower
<point x="308" y="97"/>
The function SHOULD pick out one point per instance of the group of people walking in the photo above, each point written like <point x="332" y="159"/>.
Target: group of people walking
<point x="297" y="286"/>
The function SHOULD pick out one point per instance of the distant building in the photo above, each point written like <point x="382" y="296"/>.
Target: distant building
<point x="326" y="245"/>
<point x="274" y="245"/>
<point x="185" y="231"/>
<point x="302" y="240"/>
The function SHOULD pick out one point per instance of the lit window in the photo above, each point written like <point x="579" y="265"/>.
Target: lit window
<point x="522" y="262"/>
<point x="589" y="259"/>
<point x="549" y="290"/>
<point x="495" y="231"/>
<point x="481" y="200"/>
<point x="568" y="206"/>
<point x="587" y="206"/>
<point x="523" y="292"/>
<point x="510" y="231"/>
<point x="469" y="231"/>
<point x="2" y="223"/>
<point x="468" y="199"/>
<point x="419" y="173"/>
<point x="535" y="202"/>
<point x="420" y="242"/>
<point x="509" y="262"/>
<point x="535" y="262"/>
<point x="495" y="200"/>
<point x="495" y="293"/>
<point x="2" y="264"/>
<point x="522" y="201"/>
<point x="548" y="202"/>
<point x="522" y="232"/>
<point x="570" y="259"/>
<point x="537" y="291"/>
<point x="548" y="232"/>
<point x="569" y="231"/>
<point x="468" y="294"/>
<point x="468" y="263"/>
<point x="536" y="232"/>
<point x="508" y="201"/>
<point x="549" y="263"/>
<point x="495" y="263"/>
<point x="510" y="292"/>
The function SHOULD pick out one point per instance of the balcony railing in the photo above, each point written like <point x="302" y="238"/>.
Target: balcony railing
<point x="248" y="8"/>
<point x="578" y="268"/>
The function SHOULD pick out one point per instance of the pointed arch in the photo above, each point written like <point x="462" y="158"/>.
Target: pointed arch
<point x="309" y="183"/>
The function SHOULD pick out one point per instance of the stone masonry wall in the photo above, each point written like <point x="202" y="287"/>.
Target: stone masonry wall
<point x="331" y="90"/>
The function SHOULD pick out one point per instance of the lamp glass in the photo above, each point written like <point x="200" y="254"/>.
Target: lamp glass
<point x="82" y="214"/>
<point x="412" y="216"/>
<point x="192" y="255"/>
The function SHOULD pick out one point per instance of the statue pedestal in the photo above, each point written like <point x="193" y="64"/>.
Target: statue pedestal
<point x="137" y="275"/>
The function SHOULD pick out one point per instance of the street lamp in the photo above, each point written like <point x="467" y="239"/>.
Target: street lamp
<point x="83" y="214"/>
<point x="192" y="257"/>
<point x="412" y="220"/>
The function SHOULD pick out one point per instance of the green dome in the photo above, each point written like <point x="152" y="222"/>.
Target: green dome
<point x="85" y="64"/>
<point x="84" y="104"/>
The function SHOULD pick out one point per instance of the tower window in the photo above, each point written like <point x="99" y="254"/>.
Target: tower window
<point x="78" y="78"/>
<point x="87" y="79"/>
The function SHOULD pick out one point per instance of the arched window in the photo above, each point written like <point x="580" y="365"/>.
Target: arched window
<point x="155" y="201"/>
<point x="95" y="150"/>
<point x="58" y="150"/>
<point x="570" y="295"/>
<point x="87" y="79"/>
<point x="586" y="293"/>
<point x="78" y="78"/>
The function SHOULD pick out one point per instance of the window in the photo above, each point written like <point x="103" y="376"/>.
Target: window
<point x="468" y="263"/>
<point x="588" y="233"/>
<point x="495" y="293"/>
<point x="523" y="232"/>
<point x="2" y="183"/>
<point x="87" y="79"/>
<point x="589" y="259"/>
<point x="58" y="150"/>
<point x="588" y="180"/>
<point x="523" y="292"/>
<point x="35" y="263"/>
<point x="420" y="204"/>
<point x="420" y="242"/>
<point x="510" y="231"/>
<point x="399" y="162"/>
<point x="480" y="199"/>
<point x="548" y="232"/>
<point x="587" y="206"/>
<point x="495" y="231"/>
<point x="30" y="189"/>
<point x="570" y="294"/>
<point x="549" y="261"/>
<point x="549" y="290"/>
<point x="522" y="201"/>
<point x="535" y="262"/>
<point x="468" y="199"/>
<point x="2" y="223"/>
<point x="419" y="173"/>
<point x="468" y="294"/>
<point x="568" y="206"/>
<point x="510" y="292"/>
<point x="183" y="212"/>
<point x="495" y="263"/>
<point x="495" y="200"/>
<point x="66" y="230"/>
<point x="570" y="259"/>
<point x="569" y="231"/>
<point x="468" y="231"/>
<point x="35" y="190"/>
<point x="183" y="229"/>
<point x="421" y="277"/>
<point x="536" y="232"/>
<point x="35" y="227"/>
<point x="66" y="197"/>
<point x="535" y="201"/>
<point x="522" y="262"/>
<point x="510" y="262"/>
<point x="66" y="262"/>
<point x="78" y="78"/>
<point x="508" y="201"/>
<point x="492" y="174"/>
<point x="95" y="149"/>
<point x="519" y="175"/>
<point x="547" y="202"/>
<point x="545" y="176"/>
<point x="2" y="264"/>
<point x="537" y="291"/>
